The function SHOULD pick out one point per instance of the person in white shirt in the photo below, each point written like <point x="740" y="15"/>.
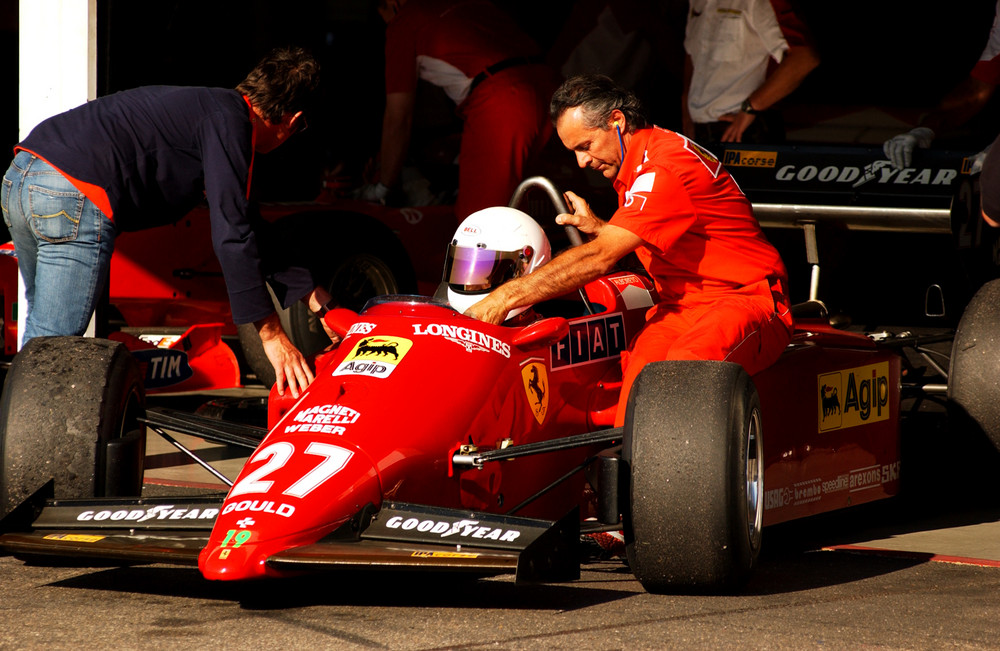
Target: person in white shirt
<point x="743" y="57"/>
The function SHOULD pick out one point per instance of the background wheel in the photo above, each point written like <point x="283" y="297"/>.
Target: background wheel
<point x="69" y="414"/>
<point x="694" y="461"/>
<point x="974" y="374"/>
<point x="355" y="279"/>
<point x="354" y="263"/>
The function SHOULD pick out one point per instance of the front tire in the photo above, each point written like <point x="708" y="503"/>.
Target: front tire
<point x="69" y="414"/>
<point x="693" y="452"/>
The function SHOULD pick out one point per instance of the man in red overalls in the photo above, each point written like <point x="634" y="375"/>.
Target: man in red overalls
<point x="721" y="284"/>
<point x="490" y="69"/>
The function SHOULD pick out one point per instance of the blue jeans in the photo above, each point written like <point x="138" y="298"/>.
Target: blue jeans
<point x="63" y="243"/>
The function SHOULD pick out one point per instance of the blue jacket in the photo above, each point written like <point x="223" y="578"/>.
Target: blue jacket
<point x="157" y="151"/>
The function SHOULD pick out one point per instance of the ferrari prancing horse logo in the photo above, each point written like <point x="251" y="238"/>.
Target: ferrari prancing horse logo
<point x="536" y="388"/>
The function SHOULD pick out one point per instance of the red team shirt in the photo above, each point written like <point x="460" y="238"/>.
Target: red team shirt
<point x="448" y="44"/>
<point x="505" y="118"/>
<point x="698" y="227"/>
<point x="721" y="284"/>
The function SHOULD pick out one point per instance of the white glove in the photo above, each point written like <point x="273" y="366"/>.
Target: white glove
<point x="899" y="149"/>
<point x="977" y="160"/>
<point x="373" y="192"/>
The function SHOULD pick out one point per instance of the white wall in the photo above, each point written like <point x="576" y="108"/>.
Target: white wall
<point x="57" y="58"/>
<point x="57" y="67"/>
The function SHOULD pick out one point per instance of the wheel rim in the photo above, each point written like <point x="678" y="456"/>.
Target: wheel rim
<point x="134" y="410"/>
<point x="755" y="479"/>
<point x="359" y="278"/>
<point x="354" y="280"/>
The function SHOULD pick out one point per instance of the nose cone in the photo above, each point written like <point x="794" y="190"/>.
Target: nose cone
<point x="220" y="563"/>
<point x="313" y="492"/>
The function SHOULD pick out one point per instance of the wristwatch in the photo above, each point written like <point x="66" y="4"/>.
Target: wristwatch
<point x="326" y="307"/>
<point x="746" y="107"/>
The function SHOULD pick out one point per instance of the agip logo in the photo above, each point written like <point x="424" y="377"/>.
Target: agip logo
<point x="852" y="397"/>
<point x="374" y="356"/>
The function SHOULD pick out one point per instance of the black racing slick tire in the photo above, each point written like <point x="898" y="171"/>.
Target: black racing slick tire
<point x="693" y="453"/>
<point x="69" y="422"/>
<point x="974" y="373"/>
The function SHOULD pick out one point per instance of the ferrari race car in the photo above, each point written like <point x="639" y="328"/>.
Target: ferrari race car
<point x="433" y="441"/>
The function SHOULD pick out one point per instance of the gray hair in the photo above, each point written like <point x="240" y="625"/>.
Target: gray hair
<point x="598" y="96"/>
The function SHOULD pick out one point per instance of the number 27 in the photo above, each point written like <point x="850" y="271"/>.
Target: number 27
<point x="278" y="454"/>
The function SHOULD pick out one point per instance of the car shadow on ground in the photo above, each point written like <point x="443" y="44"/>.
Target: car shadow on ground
<point x="355" y="588"/>
<point x="804" y="571"/>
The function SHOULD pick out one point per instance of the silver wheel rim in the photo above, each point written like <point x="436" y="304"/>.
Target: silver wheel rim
<point x="755" y="480"/>
<point x="362" y="275"/>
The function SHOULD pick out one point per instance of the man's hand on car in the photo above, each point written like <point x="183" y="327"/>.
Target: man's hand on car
<point x="290" y="366"/>
<point x="491" y="309"/>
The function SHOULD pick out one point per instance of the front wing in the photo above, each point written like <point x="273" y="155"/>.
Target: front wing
<point x="398" y="536"/>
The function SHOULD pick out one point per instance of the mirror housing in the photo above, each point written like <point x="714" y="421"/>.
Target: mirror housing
<point x="542" y="333"/>
<point x="340" y="320"/>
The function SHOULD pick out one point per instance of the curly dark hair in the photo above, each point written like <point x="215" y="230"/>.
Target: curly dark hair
<point x="281" y="83"/>
<point x="598" y="95"/>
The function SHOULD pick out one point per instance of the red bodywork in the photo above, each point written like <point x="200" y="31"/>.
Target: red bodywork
<point x="413" y="382"/>
<point x="830" y="408"/>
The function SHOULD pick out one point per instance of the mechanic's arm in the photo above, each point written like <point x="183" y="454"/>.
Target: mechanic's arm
<point x="569" y="270"/>
<point x="290" y="367"/>
<point x="397" y="125"/>
<point x="958" y="106"/>
<point x="795" y="66"/>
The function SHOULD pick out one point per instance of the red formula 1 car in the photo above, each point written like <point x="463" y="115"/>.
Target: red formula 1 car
<point x="433" y="441"/>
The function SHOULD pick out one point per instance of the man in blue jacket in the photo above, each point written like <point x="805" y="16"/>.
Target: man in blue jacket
<point x="145" y="157"/>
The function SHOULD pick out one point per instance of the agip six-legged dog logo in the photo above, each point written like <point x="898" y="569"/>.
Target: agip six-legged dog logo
<point x="852" y="397"/>
<point x="374" y="356"/>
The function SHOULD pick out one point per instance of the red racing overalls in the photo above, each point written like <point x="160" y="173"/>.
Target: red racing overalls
<point x="721" y="284"/>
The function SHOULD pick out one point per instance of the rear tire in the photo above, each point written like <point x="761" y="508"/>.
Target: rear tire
<point x="355" y="279"/>
<point x="974" y="373"/>
<point x="69" y="415"/>
<point x="694" y="461"/>
<point x="353" y="260"/>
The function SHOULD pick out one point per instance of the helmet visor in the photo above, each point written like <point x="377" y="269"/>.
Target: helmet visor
<point x="479" y="270"/>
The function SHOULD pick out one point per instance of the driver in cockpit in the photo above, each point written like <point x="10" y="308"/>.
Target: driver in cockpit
<point x="490" y="247"/>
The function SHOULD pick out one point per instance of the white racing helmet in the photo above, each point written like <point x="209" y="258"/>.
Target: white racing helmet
<point x="490" y="247"/>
